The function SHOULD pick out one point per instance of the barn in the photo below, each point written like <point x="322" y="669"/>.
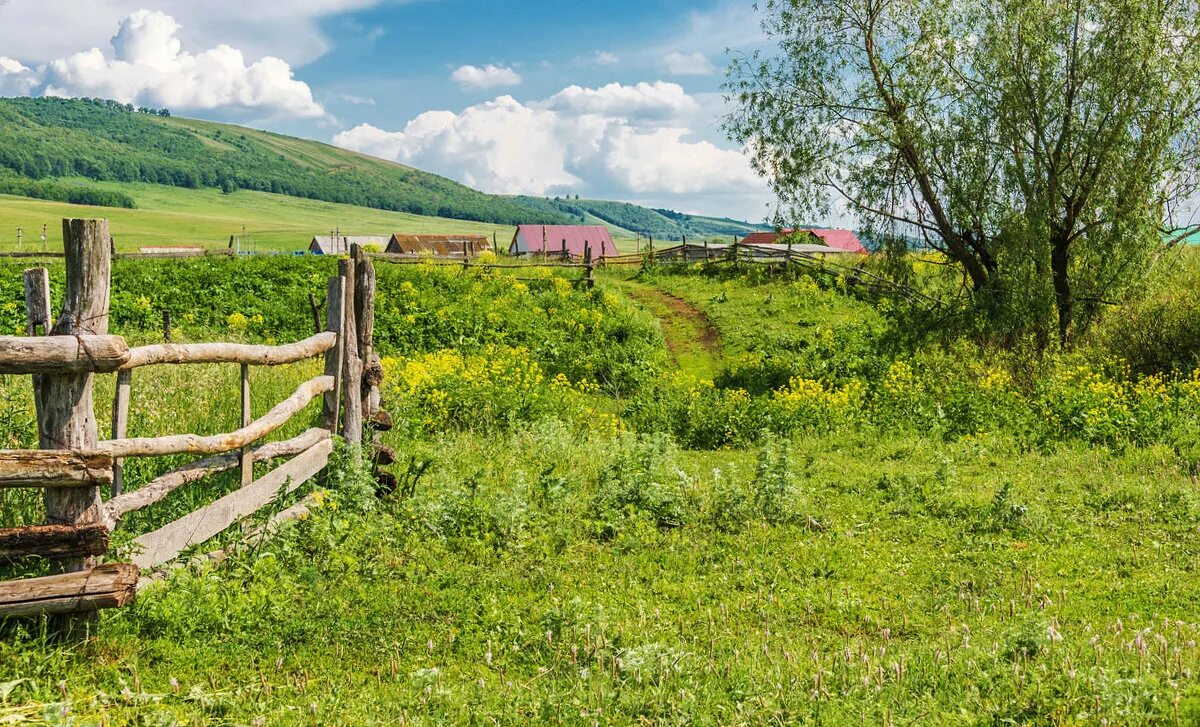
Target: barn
<point x="340" y="245"/>
<point x="840" y="240"/>
<point x="554" y="239"/>
<point x="406" y="244"/>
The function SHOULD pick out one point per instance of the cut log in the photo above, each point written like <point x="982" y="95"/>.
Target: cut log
<point x="384" y="455"/>
<point x="53" y="541"/>
<point x="158" y="489"/>
<point x="111" y="585"/>
<point x="197" y="444"/>
<point x="62" y="354"/>
<point x="169" y="541"/>
<point x="54" y="468"/>
<point x="254" y="355"/>
<point x="381" y="421"/>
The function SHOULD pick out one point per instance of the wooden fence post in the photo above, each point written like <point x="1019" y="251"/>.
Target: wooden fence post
<point x="37" y="301"/>
<point x="352" y="364"/>
<point x="335" y="298"/>
<point x="166" y="326"/>
<point x="66" y="418"/>
<point x="589" y="267"/>
<point x="245" y="459"/>
<point x="120" y="424"/>
<point x="364" y="313"/>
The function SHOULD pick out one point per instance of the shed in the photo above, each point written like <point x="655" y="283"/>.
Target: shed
<point x="340" y="245"/>
<point x="551" y="239"/>
<point x="840" y="240"/>
<point x="438" y="244"/>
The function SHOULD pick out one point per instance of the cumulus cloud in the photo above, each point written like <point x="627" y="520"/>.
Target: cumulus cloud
<point x="149" y="67"/>
<point x="490" y="76"/>
<point x="15" y="78"/>
<point x="688" y="64"/>
<point x="622" y="141"/>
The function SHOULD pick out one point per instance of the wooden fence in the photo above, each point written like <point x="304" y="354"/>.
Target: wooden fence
<point x="72" y="467"/>
<point x="735" y="254"/>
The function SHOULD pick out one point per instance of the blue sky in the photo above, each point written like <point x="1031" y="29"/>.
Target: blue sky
<point x="616" y="99"/>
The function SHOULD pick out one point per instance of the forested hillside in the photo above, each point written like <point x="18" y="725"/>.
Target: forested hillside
<point x="661" y="223"/>
<point x="49" y="137"/>
<point x="43" y="140"/>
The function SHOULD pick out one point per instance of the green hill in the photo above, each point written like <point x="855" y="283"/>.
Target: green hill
<point x="628" y="220"/>
<point x="50" y="147"/>
<point x="43" y="138"/>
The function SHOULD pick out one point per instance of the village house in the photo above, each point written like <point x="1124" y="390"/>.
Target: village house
<point x="340" y="245"/>
<point x="563" y="239"/>
<point x="404" y="244"/>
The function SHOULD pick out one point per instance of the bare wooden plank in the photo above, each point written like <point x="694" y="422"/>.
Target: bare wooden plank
<point x="364" y="312"/>
<point x="167" y="542"/>
<point x="158" y="489"/>
<point x="62" y="354"/>
<point x="111" y="585"/>
<point x="54" y="468"/>
<point x="53" y="541"/>
<point x="198" y="444"/>
<point x="37" y="301"/>
<point x="255" y="355"/>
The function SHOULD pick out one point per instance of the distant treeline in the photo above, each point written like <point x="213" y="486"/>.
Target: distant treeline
<point x="43" y="138"/>
<point x="63" y="192"/>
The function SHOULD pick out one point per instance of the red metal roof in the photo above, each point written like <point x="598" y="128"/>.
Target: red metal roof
<point x="840" y="239"/>
<point x="548" y="239"/>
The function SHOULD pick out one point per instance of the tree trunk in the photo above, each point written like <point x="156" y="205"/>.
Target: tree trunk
<point x="1060" y="264"/>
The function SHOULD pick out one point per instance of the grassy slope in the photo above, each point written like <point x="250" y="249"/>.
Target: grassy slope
<point x="909" y="591"/>
<point x="171" y="215"/>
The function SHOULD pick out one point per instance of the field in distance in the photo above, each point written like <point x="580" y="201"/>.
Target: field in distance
<point x="207" y="217"/>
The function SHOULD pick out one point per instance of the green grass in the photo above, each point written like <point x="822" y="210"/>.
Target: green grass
<point x="544" y="571"/>
<point x="174" y="216"/>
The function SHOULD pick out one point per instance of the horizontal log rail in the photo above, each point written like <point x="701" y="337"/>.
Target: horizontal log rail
<point x="62" y="354"/>
<point x="158" y="489"/>
<point x="111" y="585"/>
<point x="53" y="541"/>
<point x="54" y="468"/>
<point x="169" y="541"/>
<point x="255" y="355"/>
<point x="217" y="443"/>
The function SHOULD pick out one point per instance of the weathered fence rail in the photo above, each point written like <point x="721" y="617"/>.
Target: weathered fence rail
<point x="73" y="465"/>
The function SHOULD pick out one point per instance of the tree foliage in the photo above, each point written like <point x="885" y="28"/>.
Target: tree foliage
<point x="1042" y="145"/>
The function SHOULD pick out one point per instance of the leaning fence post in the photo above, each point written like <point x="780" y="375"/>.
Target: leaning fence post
<point x="335" y="297"/>
<point x="352" y="364"/>
<point x="66" y="418"/>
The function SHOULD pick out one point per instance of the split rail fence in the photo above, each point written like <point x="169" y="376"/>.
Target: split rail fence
<point x="73" y="467"/>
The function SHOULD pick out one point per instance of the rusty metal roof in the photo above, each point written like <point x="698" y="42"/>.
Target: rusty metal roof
<point x="844" y="240"/>
<point x="438" y="244"/>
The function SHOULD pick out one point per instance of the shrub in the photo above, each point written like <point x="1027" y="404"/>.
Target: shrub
<point x="642" y="479"/>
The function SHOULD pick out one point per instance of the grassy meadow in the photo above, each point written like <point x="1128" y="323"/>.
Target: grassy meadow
<point x="689" y="496"/>
<point x="208" y="217"/>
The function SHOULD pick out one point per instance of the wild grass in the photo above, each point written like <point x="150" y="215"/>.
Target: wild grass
<point x="534" y="566"/>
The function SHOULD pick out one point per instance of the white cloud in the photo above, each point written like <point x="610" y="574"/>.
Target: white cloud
<point x="688" y="64"/>
<point x="615" y="141"/>
<point x="290" y="30"/>
<point x="149" y="67"/>
<point x="607" y="59"/>
<point x="658" y="100"/>
<point x="15" y="78"/>
<point x="490" y="76"/>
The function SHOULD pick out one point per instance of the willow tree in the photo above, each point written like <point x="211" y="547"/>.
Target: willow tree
<point x="1044" y="146"/>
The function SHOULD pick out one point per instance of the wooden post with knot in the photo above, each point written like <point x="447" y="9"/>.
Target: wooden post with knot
<point x="65" y="411"/>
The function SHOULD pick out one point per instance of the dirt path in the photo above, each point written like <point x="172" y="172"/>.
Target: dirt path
<point x="691" y="337"/>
